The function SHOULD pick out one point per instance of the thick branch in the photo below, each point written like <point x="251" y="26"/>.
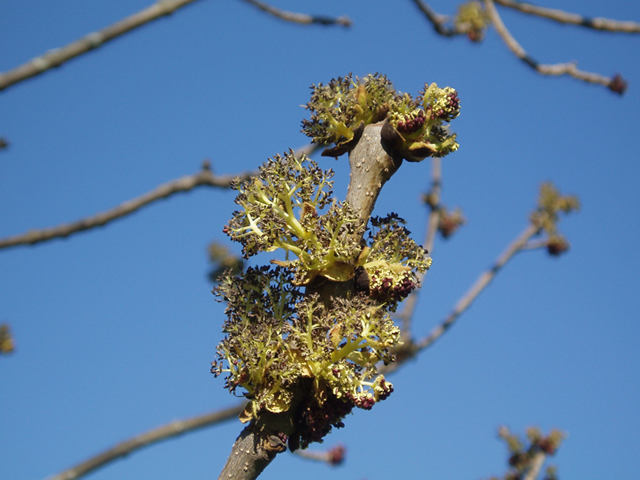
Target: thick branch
<point x="557" y="69"/>
<point x="165" y="432"/>
<point x="58" y="56"/>
<point x="371" y="167"/>
<point x="301" y="18"/>
<point x="573" y="18"/>
<point x="203" y="177"/>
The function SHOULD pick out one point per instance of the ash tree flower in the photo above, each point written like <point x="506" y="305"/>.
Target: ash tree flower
<point x="287" y="348"/>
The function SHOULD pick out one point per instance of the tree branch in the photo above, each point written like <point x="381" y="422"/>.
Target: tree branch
<point x="58" y="56"/>
<point x="438" y="21"/>
<point x="573" y="18"/>
<point x="165" y="432"/>
<point x="481" y="283"/>
<point x="557" y="69"/>
<point x="204" y="177"/>
<point x="536" y="465"/>
<point x="301" y="18"/>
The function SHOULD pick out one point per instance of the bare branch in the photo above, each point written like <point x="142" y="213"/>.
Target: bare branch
<point x="204" y="177"/>
<point x="56" y="57"/>
<point x="557" y="69"/>
<point x="165" y="432"/>
<point x="301" y="18"/>
<point x="334" y="456"/>
<point x="438" y="21"/>
<point x="481" y="283"/>
<point x="536" y="465"/>
<point x="573" y="18"/>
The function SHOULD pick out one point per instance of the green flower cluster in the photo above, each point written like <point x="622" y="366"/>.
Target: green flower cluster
<point x="420" y="125"/>
<point x="546" y="216"/>
<point x="280" y="209"/>
<point x="472" y="19"/>
<point x="285" y="349"/>
<point x="391" y="261"/>
<point x="344" y="106"/>
<point x="415" y="128"/>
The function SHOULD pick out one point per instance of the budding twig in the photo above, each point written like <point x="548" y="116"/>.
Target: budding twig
<point x="573" y="18"/>
<point x="554" y="70"/>
<point x="164" y="432"/>
<point x="301" y="18"/>
<point x="58" y="56"/>
<point x="204" y="177"/>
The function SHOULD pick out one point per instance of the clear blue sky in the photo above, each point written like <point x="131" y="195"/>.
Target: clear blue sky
<point x="115" y="328"/>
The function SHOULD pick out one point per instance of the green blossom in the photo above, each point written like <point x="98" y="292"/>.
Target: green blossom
<point x="281" y="209"/>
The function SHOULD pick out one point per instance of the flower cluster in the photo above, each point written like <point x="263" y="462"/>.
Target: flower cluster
<point x="341" y="109"/>
<point x="284" y="348"/>
<point x="546" y="216"/>
<point x="472" y="19"/>
<point x="522" y="455"/>
<point x="420" y="125"/>
<point x="279" y="344"/>
<point x="391" y="261"/>
<point x="416" y="127"/>
<point x="281" y="209"/>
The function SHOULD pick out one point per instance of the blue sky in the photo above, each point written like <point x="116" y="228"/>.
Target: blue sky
<point x="115" y="327"/>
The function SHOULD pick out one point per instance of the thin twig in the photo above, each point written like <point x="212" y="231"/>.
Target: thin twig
<point x="557" y="69"/>
<point x="56" y="57"/>
<point x="536" y="464"/>
<point x="204" y="177"/>
<point x="164" y="432"/>
<point x="301" y="18"/>
<point x="438" y="21"/>
<point x="481" y="283"/>
<point x="573" y="18"/>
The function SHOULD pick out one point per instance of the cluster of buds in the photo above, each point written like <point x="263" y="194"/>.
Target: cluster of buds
<point x="546" y="216"/>
<point x="6" y="340"/>
<point x="449" y="222"/>
<point x="278" y="345"/>
<point x="417" y="129"/>
<point x="391" y="260"/>
<point x="472" y="19"/>
<point x="414" y="128"/>
<point x="521" y="454"/>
